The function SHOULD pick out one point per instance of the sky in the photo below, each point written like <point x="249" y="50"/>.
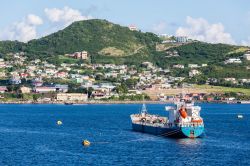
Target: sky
<point x="214" y="21"/>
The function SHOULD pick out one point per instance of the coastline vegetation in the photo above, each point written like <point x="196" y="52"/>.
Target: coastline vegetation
<point x="227" y="90"/>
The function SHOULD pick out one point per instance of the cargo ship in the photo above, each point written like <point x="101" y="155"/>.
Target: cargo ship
<point x="183" y="121"/>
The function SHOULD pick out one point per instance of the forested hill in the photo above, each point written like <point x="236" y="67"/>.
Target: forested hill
<point x="95" y="36"/>
<point x="201" y="52"/>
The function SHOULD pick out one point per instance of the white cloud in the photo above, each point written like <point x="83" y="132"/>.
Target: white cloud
<point x="34" y="20"/>
<point x="246" y="42"/>
<point x="65" y="15"/>
<point x="160" y="27"/>
<point x="201" y="29"/>
<point x="24" y="30"/>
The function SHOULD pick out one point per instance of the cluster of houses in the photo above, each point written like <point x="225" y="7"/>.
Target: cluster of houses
<point x="35" y="73"/>
<point x="17" y="69"/>
<point x="211" y="97"/>
<point x="246" y="56"/>
<point x="237" y="81"/>
<point x="172" y="54"/>
<point x="191" y="66"/>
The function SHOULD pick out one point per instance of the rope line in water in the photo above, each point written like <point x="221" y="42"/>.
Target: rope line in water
<point x="164" y="134"/>
<point x="170" y="133"/>
<point x="133" y="140"/>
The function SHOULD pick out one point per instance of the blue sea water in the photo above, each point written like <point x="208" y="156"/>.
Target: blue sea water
<point x="29" y="135"/>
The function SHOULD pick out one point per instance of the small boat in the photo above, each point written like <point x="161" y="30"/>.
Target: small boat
<point x="184" y="120"/>
<point x="240" y="116"/>
<point x="244" y="102"/>
<point x="68" y="103"/>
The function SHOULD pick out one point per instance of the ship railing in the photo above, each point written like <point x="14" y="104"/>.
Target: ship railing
<point x="151" y="124"/>
<point x="191" y="124"/>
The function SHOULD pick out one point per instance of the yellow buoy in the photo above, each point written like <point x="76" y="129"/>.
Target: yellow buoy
<point x="85" y="143"/>
<point x="59" y="122"/>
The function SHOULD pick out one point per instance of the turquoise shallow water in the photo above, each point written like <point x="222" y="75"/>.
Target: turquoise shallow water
<point x="29" y="135"/>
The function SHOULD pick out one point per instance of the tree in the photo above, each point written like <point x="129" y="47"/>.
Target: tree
<point x="131" y="83"/>
<point x="13" y="88"/>
<point x="122" y="88"/>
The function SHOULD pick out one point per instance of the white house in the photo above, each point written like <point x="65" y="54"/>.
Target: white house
<point x="44" y="89"/>
<point x="2" y="63"/>
<point x="71" y="97"/>
<point x="3" y="89"/>
<point x="181" y="39"/>
<point x="233" y="80"/>
<point x="25" y="89"/>
<point x="178" y="66"/>
<point x="193" y="66"/>
<point x="247" y="55"/>
<point x="2" y="74"/>
<point x="193" y="73"/>
<point x="233" y="60"/>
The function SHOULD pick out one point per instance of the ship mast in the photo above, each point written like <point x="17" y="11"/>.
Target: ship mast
<point x="144" y="108"/>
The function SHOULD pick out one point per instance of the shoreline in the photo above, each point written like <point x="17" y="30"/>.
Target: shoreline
<point x="88" y="102"/>
<point x="111" y="102"/>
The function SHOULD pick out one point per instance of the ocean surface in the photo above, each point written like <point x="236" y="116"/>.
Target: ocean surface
<point x="29" y="135"/>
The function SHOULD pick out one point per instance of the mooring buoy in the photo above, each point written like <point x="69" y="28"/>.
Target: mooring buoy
<point x="85" y="143"/>
<point x="59" y="122"/>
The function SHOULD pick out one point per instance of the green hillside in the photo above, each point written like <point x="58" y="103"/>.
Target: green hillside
<point x="201" y="52"/>
<point x="96" y="37"/>
<point x="11" y="46"/>
<point x="111" y="43"/>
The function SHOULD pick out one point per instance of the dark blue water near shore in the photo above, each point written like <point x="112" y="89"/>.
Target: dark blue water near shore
<point x="29" y="136"/>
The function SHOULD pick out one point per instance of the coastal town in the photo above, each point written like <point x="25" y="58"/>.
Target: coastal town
<point x="125" y="83"/>
<point x="80" y="81"/>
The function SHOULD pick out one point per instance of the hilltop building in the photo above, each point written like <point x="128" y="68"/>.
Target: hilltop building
<point x="79" y="55"/>
<point x="132" y="28"/>
<point x="181" y="39"/>
<point x="247" y="55"/>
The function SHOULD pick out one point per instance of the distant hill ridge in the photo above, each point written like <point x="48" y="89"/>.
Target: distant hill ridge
<point x="95" y="36"/>
<point x="111" y="43"/>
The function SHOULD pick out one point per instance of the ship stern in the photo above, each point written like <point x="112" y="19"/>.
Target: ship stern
<point x="192" y="131"/>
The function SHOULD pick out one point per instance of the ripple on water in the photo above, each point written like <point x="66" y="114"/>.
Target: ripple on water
<point x="29" y="135"/>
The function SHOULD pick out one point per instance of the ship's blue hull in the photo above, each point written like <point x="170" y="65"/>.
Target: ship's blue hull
<point x="182" y="132"/>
